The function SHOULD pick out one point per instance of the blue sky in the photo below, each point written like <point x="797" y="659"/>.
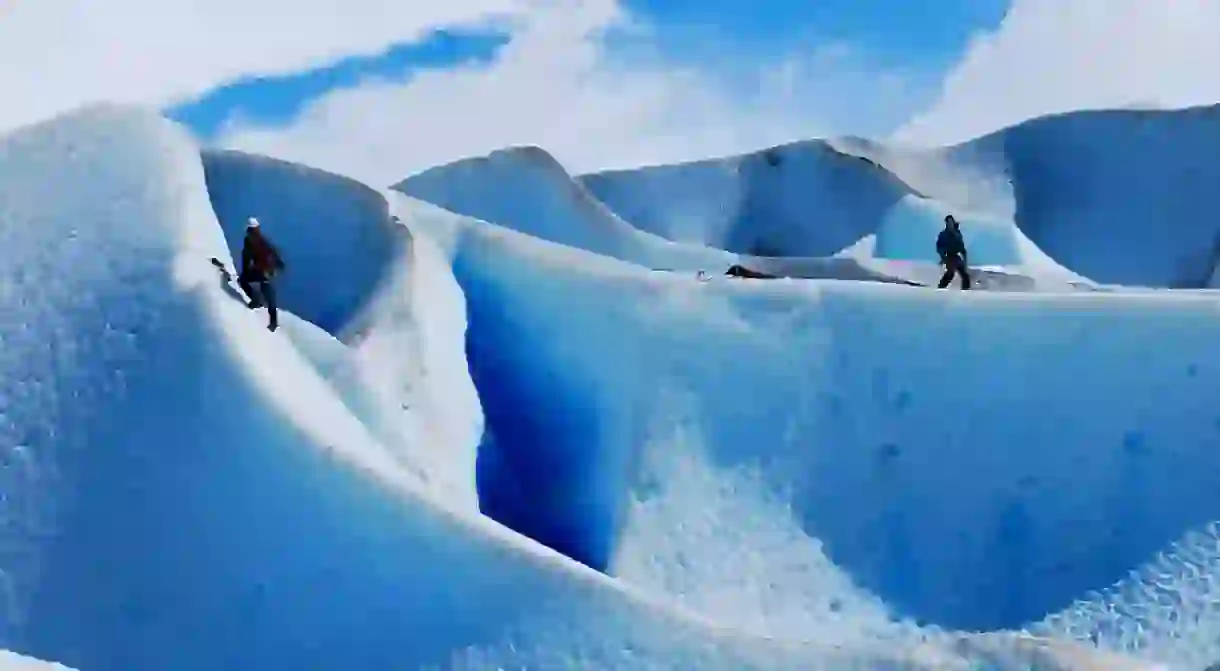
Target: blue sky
<point x="599" y="84"/>
<point x="892" y="31"/>
<point x="279" y="99"/>
<point x="731" y="37"/>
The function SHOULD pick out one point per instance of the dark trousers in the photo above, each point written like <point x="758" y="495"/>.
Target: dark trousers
<point x="263" y="295"/>
<point x="954" y="266"/>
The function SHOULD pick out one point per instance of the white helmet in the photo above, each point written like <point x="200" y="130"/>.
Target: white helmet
<point x="252" y="223"/>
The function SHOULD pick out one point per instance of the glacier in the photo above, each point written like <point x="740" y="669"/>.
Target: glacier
<point x="12" y="662"/>
<point x="526" y="189"/>
<point x="1114" y="196"/>
<point x="798" y="416"/>
<point x="520" y="418"/>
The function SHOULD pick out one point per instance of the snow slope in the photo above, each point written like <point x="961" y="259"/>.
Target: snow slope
<point x="336" y="231"/>
<point x="185" y="490"/>
<point x="816" y="198"/>
<point x="777" y="455"/>
<point x="11" y="662"/>
<point x="805" y="199"/>
<point x="1082" y="188"/>
<point x="1122" y="196"/>
<point x="773" y="475"/>
<point x="525" y="188"/>
<point x="363" y="279"/>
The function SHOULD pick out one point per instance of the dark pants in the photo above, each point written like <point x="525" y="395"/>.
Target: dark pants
<point x="264" y="294"/>
<point x="954" y="266"/>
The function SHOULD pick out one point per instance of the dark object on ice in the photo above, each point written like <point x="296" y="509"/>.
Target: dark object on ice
<point x="225" y="278"/>
<point x="260" y="263"/>
<point x="737" y="270"/>
<point x="951" y="248"/>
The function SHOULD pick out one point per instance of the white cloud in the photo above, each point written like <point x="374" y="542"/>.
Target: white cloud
<point x="554" y="85"/>
<point x="1051" y="56"/>
<point x="57" y="54"/>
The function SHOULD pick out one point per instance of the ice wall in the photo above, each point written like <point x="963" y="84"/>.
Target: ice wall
<point x="1120" y="196"/>
<point x="900" y="427"/>
<point x="805" y="199"/>
<point x="526" y="189"/>
<point x="908" y="232"/>
<point x="360" y="276"/>
<point x="185" y="490"/>
<point x="1117" y="196"/>
<point x="334" y="233"/>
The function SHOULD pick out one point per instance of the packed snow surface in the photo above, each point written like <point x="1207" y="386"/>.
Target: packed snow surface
<point x="12" y="662"/>
<point x="490" y="434"/>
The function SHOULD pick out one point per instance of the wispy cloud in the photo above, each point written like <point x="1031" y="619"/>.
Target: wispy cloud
<point x="278" y="99"/>
<point x="57" y="54"/>
<point x="1051" y="56"/>
<point x="559" y="85"/>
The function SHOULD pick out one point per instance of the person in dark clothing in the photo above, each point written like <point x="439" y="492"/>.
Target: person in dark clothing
<point x="260" y="263"/>
<point x="951" y="248"/>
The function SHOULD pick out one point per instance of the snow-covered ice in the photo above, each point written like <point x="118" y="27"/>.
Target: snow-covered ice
<point x="490" y="434"/>
<point x="825" y="215"/>
<point x="828" y="414"/>
<point x="526" y="189"/>
<point x="12" y="662"/>
<point x="1115" y="196"/>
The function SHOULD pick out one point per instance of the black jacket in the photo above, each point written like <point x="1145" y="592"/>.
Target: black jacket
<point x="950" y="243"/>
<point x="259" y="258"/>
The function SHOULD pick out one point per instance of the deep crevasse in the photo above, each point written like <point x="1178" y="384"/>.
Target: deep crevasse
<point x="156" y="421"/>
